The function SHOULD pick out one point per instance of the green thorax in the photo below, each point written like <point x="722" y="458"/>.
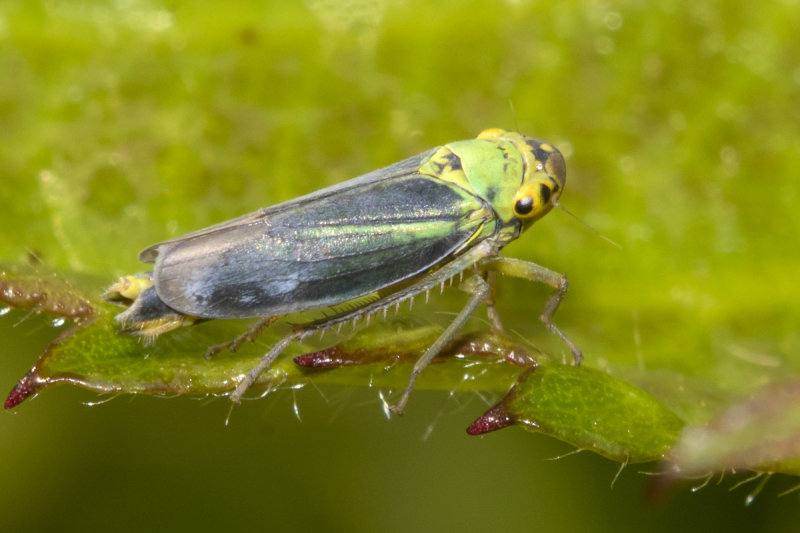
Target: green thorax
<point x="489" y="169"/>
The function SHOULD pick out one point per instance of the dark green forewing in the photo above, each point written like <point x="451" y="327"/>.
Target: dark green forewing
<point x="319" y="250"/>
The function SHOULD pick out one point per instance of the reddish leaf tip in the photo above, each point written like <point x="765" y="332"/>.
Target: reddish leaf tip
<point x="24" y="388"/>
<point x="495" y="418"/>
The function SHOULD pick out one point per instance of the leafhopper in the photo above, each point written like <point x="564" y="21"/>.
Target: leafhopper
<point x="374" y="241"/>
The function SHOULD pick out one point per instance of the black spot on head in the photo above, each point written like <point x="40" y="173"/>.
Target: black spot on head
<point x="545" y="192"/>
<point x="536" y="147"/>
<point x="541" y="155"/>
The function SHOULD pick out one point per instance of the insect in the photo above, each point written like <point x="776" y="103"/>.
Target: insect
<point x="371" y="242"/>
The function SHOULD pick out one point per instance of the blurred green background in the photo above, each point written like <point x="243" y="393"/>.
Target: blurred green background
<point x="124" y="123"/>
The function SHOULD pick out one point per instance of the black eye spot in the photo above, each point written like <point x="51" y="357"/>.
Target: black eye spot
<point x="545" y="192"/>
<point x="524" y="205"/>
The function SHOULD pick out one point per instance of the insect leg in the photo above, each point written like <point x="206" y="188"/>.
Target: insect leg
<point x="470" y="257"/>
<point x="491" y="310"/>
<point x="479" y="295"/>
<point x="248" y="336"/>
<point x="533" y="272"/>
<point x="263" y="364"/>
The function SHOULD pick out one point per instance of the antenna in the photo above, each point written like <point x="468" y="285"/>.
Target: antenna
<point x="585" y="225"/>
<point x="513" y="114"/>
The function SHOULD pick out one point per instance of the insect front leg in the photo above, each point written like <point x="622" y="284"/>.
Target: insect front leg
<point x="533" y="272"/>
<point x="491" y="309"/>
<point x="480" y="292"/>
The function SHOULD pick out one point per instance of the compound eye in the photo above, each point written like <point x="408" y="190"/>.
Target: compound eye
<point x="524" y="206"/>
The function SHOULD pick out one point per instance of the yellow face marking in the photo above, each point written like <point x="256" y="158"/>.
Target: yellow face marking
<point x="542" y="184"/>
<point x="534" y="199"/>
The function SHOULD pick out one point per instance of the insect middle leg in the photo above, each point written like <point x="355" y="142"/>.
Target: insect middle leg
<point x="480" y="292"/>
<point x="533" y="272"/>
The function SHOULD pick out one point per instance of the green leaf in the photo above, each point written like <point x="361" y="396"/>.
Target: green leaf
<point x="588" y="409"/>
<point x="93" y="355"/>
<point x="584" y="407"/>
